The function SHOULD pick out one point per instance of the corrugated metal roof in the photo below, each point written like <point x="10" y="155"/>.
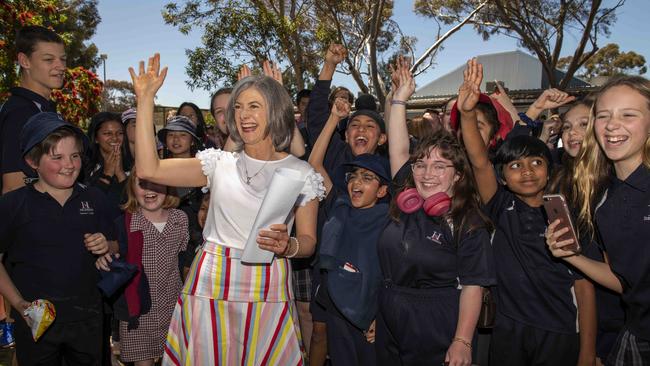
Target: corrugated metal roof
<point x="516" y="69"/>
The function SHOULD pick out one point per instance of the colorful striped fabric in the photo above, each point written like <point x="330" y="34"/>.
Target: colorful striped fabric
<point x="231" y="313"/>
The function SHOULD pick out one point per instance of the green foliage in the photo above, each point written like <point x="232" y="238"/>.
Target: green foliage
<point x="244" y="31"/>
<point x="609" y="61"/>
<point x="539" y="25"/>
<point x="118" y="96"/>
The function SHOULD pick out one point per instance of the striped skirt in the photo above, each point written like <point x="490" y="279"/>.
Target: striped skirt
<point x="230" y="313"/>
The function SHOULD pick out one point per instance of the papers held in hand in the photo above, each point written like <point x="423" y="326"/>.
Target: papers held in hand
<point x="286" y="185"/>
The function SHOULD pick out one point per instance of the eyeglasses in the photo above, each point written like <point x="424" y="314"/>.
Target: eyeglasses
<point x="419" y="168"/>
<point x="365" y="178"/>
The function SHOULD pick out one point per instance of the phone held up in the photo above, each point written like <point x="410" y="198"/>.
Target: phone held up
<point x="556" y="208"/>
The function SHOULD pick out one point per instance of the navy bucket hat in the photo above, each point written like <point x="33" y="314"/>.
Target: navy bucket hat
<point x="375" y="163"/>
<point x="40" y="125"/>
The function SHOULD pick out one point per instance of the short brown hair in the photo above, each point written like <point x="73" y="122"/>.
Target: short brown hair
<point x="45" y="147"/>
<point x="131" y="205"/>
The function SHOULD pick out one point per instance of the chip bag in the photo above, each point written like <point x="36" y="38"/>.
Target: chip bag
<point x="40" y="315"/>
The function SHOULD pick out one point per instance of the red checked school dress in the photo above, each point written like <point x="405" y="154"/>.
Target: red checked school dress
<point x="160" y="262"/>
<point x="231" y="313"/>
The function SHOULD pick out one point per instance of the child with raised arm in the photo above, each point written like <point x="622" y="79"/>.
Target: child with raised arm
<point x="435" y="253"/>
<point x="615" y="158"/>
<point x="348" y="264"/>
<point x="536" y="310"/>
<point x="230" y="312"/>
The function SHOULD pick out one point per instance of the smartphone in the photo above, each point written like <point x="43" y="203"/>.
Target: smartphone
<point x="556" y="208"/>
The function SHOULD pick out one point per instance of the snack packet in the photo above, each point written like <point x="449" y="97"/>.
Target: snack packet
<point x="40" y="314"/>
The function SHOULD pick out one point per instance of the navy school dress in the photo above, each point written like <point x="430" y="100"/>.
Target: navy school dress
<point x="422" y="266"/>
<point x="536" y="321"/>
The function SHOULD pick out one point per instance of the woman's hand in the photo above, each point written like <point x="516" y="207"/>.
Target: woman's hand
<point x="275" y="240"/>
<point x="370" y="333"/>
<point x="405" y="80"/>
<point x="458" y="354"/>
<point x="272" y="70"/>
<point x="470" y="91"/>
<point x="557" y="247"/>
<point x="96" y="243"/>
<point x="103" y="263"/>
<point x="147" y="82"/>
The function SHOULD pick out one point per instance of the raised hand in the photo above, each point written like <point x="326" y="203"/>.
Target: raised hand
<point x="470" y="90"/>
<point x="552" y="98"/>
<point x="341" y="108"/>
<point x="147" y="82"/>
<point x="405" y="80"/>
<point x="272" y="69"/>
<point x="335" y="54"/>
<point x="244" y="71"/>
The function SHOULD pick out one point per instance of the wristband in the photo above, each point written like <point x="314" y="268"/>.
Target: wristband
<point x="297" y="247"/>
<point x="466" y="343"/>
<point x="397" y="101"/>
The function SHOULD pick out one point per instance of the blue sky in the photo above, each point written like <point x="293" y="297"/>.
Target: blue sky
<point x="132" y="30"/>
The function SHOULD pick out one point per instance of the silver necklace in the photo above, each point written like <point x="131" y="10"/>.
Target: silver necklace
<point x="248" y="178"/>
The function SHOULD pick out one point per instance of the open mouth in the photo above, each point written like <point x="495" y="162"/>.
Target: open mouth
<point x="150" y="197"/>
<point x="361" y="141"/>
<point x="574" y="144"/>
<point x="616" y="140"/>
<point x="356" y="193"/>
<point x="248" y="127"/>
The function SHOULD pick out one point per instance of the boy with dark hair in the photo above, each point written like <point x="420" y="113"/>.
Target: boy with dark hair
<point x="53" y="230"/>
<point x="42" y="60"/>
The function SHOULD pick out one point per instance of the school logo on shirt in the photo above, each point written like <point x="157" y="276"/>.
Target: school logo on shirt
<point x="86" y="209"/>
<point x="435" y="237"/>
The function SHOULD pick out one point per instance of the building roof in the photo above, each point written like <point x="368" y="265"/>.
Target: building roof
<point x="517" y="70"/>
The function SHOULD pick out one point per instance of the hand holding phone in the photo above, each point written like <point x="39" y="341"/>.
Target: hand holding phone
<point x="557" y="209"/>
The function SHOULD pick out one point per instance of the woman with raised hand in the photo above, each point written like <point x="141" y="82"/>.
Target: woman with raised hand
<point x="230" y="312"/>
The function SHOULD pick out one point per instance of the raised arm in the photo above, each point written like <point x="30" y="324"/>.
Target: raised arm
<point x="398" y="136"/>
<point x="477" y="152"/>
<point x="318" y="108"/>
<point x="550" y="99"/>
<point x="340" y="110"/>
<point x="171" y="172"/>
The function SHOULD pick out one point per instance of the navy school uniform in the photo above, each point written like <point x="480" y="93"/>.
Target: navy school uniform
<point x="536" y="320"/>
<point x="423" y="266"/>
<point x="623" y="222"/>
<point x="47" y="259"/>
<point x="349" y="277"/>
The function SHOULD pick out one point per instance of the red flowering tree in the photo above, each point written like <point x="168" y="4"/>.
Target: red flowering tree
<point x="80" y="97"/>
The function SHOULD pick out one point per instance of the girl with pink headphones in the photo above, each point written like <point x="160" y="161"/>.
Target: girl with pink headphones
<point x="435" y="253"/>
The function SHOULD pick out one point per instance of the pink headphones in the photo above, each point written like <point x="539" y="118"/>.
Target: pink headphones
<point x="409" y="201"/>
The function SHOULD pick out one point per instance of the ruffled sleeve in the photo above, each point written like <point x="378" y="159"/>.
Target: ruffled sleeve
<point x="313" y="188"/>
<point x="209" y="159"/>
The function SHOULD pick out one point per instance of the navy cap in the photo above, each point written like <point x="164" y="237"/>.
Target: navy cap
<point x="40" y="125"/>
<point x="178" y="123"/>
<point x="375" y="163"/>
<point x="372" y="114"/>
<point x="365" y="101"/>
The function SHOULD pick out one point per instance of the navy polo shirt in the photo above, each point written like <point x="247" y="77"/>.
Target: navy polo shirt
<point x="21" y="105"/>
<point x="46" y="255"/>
<point x="533" y="288"/>
<point x="419" y="251"/>
<point x="623" y="222"/>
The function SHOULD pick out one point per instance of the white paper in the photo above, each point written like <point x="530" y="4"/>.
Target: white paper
<point x="286" y="185"/>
